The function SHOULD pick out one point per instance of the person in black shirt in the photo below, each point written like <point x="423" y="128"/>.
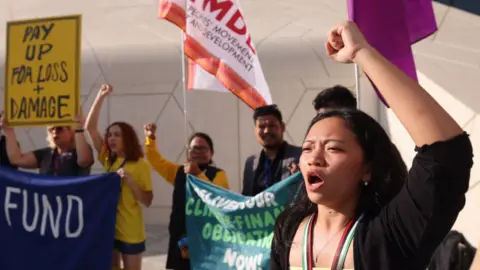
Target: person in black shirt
<point x="358" y="208"/>
<point x="277" y="158"/>
<point x="68" y="153"/>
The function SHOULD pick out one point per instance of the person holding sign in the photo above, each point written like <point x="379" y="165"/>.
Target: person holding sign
<point x="199" y="164"/>
<point x="120" y="151"/>
<point x="358" y="209"/>
<point x="67" y="154"/>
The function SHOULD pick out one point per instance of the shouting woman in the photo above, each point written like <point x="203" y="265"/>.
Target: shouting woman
<point x="358" y="208"/>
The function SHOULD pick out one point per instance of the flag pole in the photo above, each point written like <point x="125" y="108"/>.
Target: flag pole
<point x="357" y="85"/>
<point x="184" y="86"/>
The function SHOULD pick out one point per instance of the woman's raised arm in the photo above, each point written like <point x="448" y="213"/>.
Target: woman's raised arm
<point x="426" y="121"/>
<point x="91" y="123"/>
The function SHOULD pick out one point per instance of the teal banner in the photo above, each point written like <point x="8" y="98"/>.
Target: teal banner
<point x="229" y="231"/>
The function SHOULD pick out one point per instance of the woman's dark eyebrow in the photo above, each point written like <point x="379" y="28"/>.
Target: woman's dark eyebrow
<point x="334" y="140"/>
<point x="325" y="141"/>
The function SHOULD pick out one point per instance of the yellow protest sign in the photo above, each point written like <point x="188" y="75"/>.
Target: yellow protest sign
<point x="42" y="71"/>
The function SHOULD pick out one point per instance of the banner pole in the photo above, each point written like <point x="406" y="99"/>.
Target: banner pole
<point x="357" y="85"/>
<point x="184" y="86"/>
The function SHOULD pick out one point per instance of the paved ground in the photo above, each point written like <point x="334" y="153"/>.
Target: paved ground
<point x="157" y="245"/>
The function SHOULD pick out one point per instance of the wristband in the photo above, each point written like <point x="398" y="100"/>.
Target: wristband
<point x="79" y="130"/>
<point x="183" y="242"/>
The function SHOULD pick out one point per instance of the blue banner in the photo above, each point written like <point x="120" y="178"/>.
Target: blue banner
<point x="57" y="223"/>
<point x="229" y="231"/>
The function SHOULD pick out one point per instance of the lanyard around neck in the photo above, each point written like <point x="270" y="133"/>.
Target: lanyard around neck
<point x="56" y="164"/>
<point x="342" y="249"/>
<point x="57" y="160"/>
<point x="111" y="165"/>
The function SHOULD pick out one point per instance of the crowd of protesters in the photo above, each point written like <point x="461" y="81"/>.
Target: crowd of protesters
<point x="354" y="176"/>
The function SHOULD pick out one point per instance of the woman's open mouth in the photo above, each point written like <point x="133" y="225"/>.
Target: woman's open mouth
<point x="314" y="181"/>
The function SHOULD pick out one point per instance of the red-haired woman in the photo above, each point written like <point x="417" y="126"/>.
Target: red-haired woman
<point x="120" y="151"/>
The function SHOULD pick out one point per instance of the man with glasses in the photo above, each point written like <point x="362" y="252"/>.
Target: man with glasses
<point x="275" y="161"/>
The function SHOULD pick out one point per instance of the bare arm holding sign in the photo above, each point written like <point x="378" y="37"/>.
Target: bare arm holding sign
<point x="84" y="151"/>
<point x="91" y="124"/>
<point x="24" y="160"/>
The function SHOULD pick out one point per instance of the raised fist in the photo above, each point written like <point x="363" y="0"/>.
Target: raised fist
<point x="105" y="89"/>
<point x="191" y="168"/>
<point x="150" y="130"/>
<point x="344" y="42"/>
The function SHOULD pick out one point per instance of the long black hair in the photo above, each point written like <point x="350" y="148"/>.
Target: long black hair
<point x="388" y="174"/>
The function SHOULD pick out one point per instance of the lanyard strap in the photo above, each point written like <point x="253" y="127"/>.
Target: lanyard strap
<point x="346" y="245"/>
<point x="121" y="165"/>
<point x="342" y="249"/>
<point x="58" y="159"/>
<point x="56" y="164"/>
<point x="307" y="249"/>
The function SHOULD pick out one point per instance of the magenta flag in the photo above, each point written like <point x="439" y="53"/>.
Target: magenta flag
<point x="392" y="26"/>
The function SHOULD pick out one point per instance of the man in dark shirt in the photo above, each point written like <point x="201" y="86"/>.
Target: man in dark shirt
<point x="274" y="162"/>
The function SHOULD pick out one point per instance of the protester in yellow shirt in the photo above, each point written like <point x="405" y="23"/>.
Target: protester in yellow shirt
<point x="200" y="153"/>
<point x="120" y="151"/>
